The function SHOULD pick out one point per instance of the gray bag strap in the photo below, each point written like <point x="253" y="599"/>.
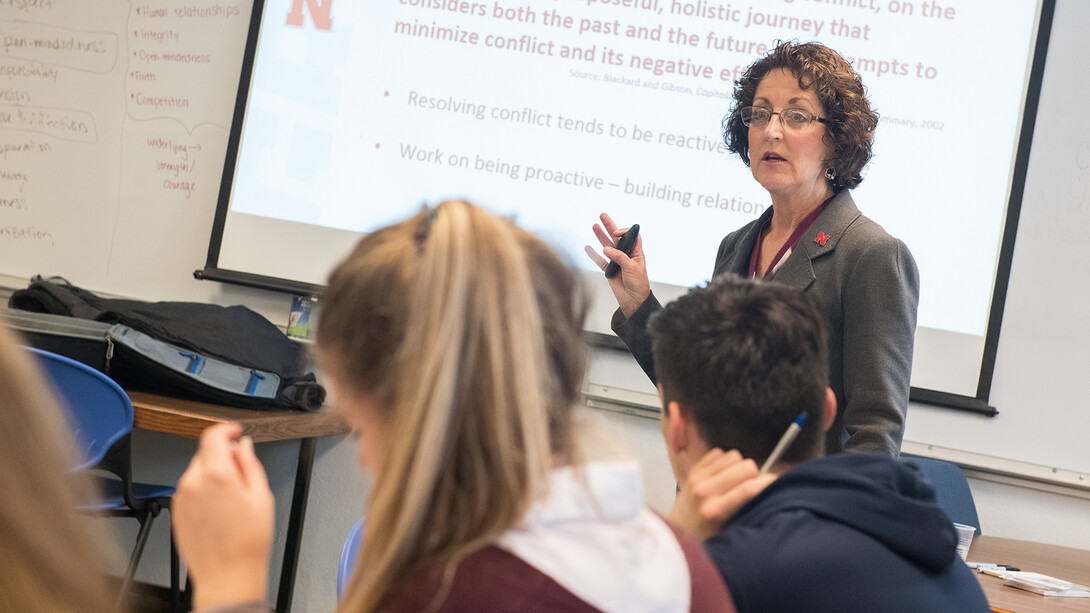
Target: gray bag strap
<point x="205" y="370"/>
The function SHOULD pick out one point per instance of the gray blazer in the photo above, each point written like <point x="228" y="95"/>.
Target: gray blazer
<point x="867" y="287"/>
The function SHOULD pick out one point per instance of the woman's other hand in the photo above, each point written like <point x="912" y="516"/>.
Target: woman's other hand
<point x="631" y="287"/>
<point x="223" y="514"/>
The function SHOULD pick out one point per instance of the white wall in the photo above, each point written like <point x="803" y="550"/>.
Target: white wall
<point x="1020" y="511"/>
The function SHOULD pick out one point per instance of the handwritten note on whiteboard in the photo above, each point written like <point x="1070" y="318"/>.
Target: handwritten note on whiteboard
<point x="114" y="118"/>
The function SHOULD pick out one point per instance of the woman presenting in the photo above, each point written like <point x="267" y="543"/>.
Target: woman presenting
<point x="802" y="123"/>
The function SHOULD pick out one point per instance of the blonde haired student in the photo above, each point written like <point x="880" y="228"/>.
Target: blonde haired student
<point x="50" y="561"/>
<point x="453" y="343"/>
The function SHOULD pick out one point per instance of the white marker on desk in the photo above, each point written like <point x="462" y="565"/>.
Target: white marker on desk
<point x="785" y="442"/>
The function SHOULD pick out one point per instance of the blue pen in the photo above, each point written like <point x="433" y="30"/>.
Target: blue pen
<point x="785" y="442"/>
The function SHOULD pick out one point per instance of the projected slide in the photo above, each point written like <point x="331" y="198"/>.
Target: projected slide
<point x="554" y="112"/>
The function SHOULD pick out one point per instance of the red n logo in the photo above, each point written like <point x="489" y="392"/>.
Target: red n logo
<point x="319" y="12"/>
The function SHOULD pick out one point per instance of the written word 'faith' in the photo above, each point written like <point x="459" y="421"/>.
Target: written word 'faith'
<point x="319" y="12"/>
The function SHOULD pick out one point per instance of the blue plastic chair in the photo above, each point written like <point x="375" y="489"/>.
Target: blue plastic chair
<point x="100" y="415"/>
<point x="349" y="554"/>
<point x="952" y="491"/>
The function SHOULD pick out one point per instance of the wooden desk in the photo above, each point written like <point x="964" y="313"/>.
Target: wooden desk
<point x="1060" y="562"/>
<point x="189" y="418"/>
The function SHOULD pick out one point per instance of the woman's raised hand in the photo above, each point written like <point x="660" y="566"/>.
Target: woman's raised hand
<point x="631" y="287"/>
<point x="223" y="519"/>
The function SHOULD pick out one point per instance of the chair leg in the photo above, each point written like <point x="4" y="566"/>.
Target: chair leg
<point x="187" y="594"/>
<point x="145" y="520"/>
<point x="175" y="577"/>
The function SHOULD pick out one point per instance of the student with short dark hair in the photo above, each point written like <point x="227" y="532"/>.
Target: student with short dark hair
<point x="737" y="362"/>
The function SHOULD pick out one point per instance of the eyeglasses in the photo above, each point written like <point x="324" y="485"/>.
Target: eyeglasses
<point x="792" y="119"/>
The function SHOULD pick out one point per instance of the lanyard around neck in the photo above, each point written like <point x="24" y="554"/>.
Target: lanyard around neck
<point x="789" y="246"/>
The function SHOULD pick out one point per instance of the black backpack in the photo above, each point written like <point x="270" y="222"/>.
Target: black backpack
<point x="230" y="355"/>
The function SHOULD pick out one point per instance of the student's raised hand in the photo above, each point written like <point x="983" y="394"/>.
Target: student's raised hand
<point x="223" y="514"/>
<point x="631" y="287"/>
<point x="716" y="487"/>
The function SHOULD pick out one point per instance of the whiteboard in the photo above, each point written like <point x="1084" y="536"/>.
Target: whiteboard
<point x="125" y="203"/>
<point x="114" y="118"/>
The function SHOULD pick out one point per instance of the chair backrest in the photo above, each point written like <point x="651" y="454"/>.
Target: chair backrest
<point x="952" y="491"/>
<point x="348" y="556"/>
<point x="99" y="412"/>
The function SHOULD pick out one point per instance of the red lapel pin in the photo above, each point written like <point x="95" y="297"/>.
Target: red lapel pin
<point x="821" y="238"/>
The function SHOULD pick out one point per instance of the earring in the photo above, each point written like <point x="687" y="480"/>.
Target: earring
<point x="830" y="174"/>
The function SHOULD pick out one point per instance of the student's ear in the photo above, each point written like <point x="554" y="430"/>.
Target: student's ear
<point x="675" y="430"/>
<point x="828" y="410"/>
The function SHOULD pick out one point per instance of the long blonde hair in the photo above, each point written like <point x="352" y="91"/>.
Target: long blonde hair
<point x="467" y="331"/>
<point x="50" y="560"/>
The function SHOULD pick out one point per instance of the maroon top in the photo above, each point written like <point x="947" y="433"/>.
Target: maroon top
<point x="494" y="580"/>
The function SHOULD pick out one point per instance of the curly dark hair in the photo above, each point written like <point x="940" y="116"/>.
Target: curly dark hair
<point x="850" y="131"/>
